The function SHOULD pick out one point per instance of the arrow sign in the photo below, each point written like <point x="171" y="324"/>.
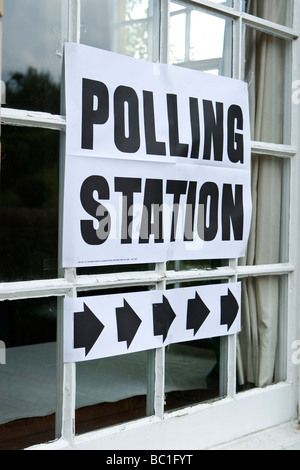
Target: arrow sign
<point x="197" y="313"/>
<point x="229" y="309"/>
<point x="128" y="322"/>
<point x="163" y="317"/>
<point x="141" y="321"/>
<point x="87" y="329"/>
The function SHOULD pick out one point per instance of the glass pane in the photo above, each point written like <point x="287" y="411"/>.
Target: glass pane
<point x="28" y="376"/>
<point x="110" y="391"/>
<point x="129" y="27"/>
<point x="115" y="269"/>
<point x="192" y="373"/>
<point x="96" y="23"/>
<point x="261" y="352"/>
<point x="278" y="11"/>
<point x="268" y="241"/>
<point x="267" y="72"/>
<point x="32" y="51"/>
<point x="28" y="204"/>
<point x="200" y="40"/>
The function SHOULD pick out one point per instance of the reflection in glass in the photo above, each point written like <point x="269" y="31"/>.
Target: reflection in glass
<point x="110" y="391"/>
<point x="32" y="53"/>
<point x="28" y="379"/>
<point x="199" y="40"/>
<point x="192" y="373"/>
<point x="28" y="204"/>
<point x="128" y="27"/>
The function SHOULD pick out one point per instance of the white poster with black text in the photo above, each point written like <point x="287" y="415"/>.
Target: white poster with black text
<point x="157" y="162"/>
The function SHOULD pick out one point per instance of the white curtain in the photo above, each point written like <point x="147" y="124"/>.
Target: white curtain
<point x="265" y="60"/>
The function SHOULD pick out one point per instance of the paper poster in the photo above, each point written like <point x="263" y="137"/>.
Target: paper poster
<point x="111" y="325"/>
<point x="157" y="162"/>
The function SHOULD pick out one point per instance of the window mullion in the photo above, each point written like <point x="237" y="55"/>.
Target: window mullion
<point x="19" y="117"/>
<point x="74" y="21"/>
<point x="66" y="377"/>
<point x="232" y="348"/>
<point x="159" y="386"/>
<point x="164" y="31"/>
<point x="228" y="354"/>
<point x="62" y="287"/>
<point x="294" y="253"/>
<point x="237" y="44"/>
<point x="274" y="150"/>
<point x="156" y="359"/>
<point x="269" y="27"/>
<point x="66" y="372"/>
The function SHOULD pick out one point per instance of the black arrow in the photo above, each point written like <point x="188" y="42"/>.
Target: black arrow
<point x="197" y="313"/>
<point x="128" y="322"/>
<point x="163" y="317"/>
<point x="87" y="329"/>
<point x="229" y="309"/>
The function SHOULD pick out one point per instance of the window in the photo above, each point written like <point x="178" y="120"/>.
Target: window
<point x="247" y="377"/>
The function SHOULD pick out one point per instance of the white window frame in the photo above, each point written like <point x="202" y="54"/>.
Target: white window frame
<point x="209" y="424"/>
